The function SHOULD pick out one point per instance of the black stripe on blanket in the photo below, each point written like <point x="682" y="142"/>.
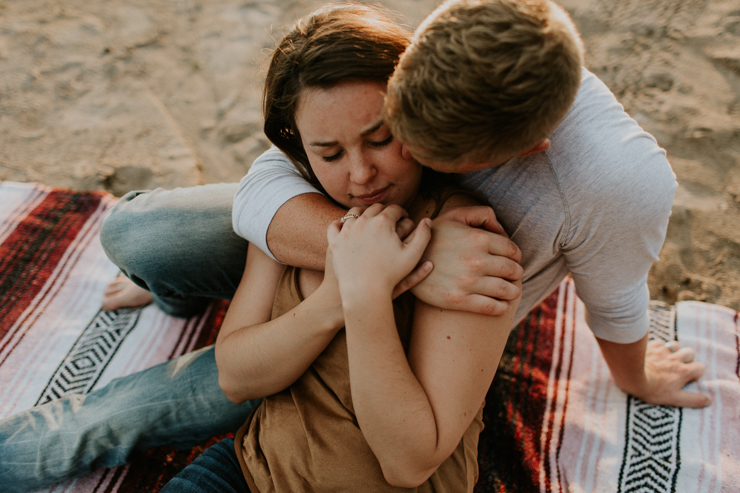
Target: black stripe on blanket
<point x="652" y="457"/>
<point x="90" y="355"/>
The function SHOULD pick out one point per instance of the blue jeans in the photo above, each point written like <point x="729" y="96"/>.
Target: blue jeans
<point x="216" y="471"/>
<point x="180" y="245"/>
<point x="177" y="403"/>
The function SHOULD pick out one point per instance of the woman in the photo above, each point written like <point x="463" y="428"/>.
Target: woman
<point x="365" y="393"/>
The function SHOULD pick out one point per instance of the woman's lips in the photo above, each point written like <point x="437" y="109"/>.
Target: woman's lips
<point x="375" y="196"/>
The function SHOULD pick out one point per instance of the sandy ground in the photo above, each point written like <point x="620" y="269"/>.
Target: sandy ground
<point x="139" y="94"/>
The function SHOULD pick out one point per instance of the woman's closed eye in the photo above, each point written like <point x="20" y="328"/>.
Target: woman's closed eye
<point x="338" y="154"/>
<point x="333" y="157"/>
<point x="382" y="142"/>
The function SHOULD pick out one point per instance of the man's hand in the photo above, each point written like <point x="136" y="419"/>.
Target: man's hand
<point x="660" y="377"/>
<point x="475" y="264"/>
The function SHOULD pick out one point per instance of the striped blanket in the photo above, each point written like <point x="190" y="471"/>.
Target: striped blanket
<point x="554" y="420"/>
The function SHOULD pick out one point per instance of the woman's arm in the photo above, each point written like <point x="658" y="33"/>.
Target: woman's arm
<point x="257" y="356"/>
<point x="413" y="412"/>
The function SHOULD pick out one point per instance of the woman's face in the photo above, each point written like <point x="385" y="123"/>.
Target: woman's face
<point x="351" y="149"/>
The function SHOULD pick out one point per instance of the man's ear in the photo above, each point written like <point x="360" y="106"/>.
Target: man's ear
<point x="405" y="153"/>
<point x="540" y="146"/>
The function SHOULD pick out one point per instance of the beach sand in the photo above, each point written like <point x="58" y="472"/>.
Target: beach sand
<point x="141" y="94"/>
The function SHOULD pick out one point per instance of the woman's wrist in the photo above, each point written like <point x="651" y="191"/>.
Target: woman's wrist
<point x="365" y="296"/>
<point x="364" y="305"/>
<point x="329" y="306"/>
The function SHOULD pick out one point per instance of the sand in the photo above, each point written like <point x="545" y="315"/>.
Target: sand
<point x="140" y="94"/>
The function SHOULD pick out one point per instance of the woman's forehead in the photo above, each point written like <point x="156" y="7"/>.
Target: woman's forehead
<point x="351" y="106"/>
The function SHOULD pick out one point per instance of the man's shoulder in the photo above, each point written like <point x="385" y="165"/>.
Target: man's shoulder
<point x="599" y="147"/>
<point x="597" y="131"/>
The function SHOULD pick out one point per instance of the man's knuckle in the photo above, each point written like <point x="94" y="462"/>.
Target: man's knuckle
<point x="454" y="298"/>
<point x="513" y="249"/>
<point x="480" y="237"/>
<point x="470" y="280"/>
<point x="501" y="290"/>
<point x="489" y="308"/>
<point x="476" y="264"/>
<point x="472" y="263"/>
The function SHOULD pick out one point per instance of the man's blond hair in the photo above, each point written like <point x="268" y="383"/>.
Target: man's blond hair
<point x="485" y="80"/>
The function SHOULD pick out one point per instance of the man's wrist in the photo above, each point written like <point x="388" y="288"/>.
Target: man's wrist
<point x="635" y="386"/>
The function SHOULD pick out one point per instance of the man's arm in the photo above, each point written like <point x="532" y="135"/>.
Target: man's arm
<point x="619" y="203"/>
<point x="475" y="264"/>
<point x="291" y="228"/>
<point x="272" y="181"/>
<point x="655" y="372"/>
<point x="297" y="234"/>
<point x="610" y="274"/>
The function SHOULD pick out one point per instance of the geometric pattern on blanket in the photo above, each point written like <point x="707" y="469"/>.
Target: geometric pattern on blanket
<point x="651" y="453"/>
<point x="91" y="353"/>
<point x="55" y="340"/>
<point x="554" y="421"/>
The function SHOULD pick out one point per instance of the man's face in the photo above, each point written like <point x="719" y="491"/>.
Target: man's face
<point x="469" y="167"/>
<point x="459" y="168"/>
<point x="447" y="167"/>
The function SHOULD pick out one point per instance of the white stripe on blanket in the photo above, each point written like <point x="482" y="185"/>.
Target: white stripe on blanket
<point x="587" y="420"/>
<point x="705" y="457"/>
<point x="66" y="305"/>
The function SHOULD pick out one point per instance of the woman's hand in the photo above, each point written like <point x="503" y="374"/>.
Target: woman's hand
<point x="367" y="253"/>
<point x="328" y="292"/>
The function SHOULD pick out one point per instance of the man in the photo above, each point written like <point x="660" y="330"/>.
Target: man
<point x="491" y="88"/>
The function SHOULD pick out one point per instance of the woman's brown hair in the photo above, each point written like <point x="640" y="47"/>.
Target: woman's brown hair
<point x="332" y="45"/>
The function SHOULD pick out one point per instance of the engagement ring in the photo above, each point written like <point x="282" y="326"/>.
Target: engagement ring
<point x="347" y="216"/>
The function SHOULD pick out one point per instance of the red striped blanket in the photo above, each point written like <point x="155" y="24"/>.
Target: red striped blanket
<point x="554" y="420"/>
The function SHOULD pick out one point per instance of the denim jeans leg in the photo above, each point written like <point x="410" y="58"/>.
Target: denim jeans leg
<point x="178" y="403"/>
<point x="179" y="244"/>
<point x="216" y="471"/>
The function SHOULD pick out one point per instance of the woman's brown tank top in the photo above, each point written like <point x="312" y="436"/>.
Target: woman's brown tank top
<point x="306" y="438"/>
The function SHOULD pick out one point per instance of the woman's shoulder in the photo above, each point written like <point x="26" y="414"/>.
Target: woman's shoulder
<point x="444" y="199"/>
<point x="459" y="197"/>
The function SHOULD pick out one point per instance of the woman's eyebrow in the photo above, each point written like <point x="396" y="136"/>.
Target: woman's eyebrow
<point x="323" y="144"/>
<point x="372" y="129"/>
<point x="363" y="134"/>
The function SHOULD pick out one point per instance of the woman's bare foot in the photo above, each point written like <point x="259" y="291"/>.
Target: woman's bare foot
<point x="123" y="293"/>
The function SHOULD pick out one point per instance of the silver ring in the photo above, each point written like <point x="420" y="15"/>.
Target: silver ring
<point x="347" y="216"/>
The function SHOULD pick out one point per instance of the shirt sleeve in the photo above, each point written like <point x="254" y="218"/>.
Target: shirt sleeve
<point x="618" y="217"/>
<point x="610" y="253"/>
<point x="271" y="182"/>
<point x="614" y="244"/>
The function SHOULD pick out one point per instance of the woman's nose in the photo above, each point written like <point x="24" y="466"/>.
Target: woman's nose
<point x="363" y="170"/>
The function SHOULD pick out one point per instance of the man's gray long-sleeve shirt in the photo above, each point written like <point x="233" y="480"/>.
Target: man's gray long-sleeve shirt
<point x="596" y="204"/>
